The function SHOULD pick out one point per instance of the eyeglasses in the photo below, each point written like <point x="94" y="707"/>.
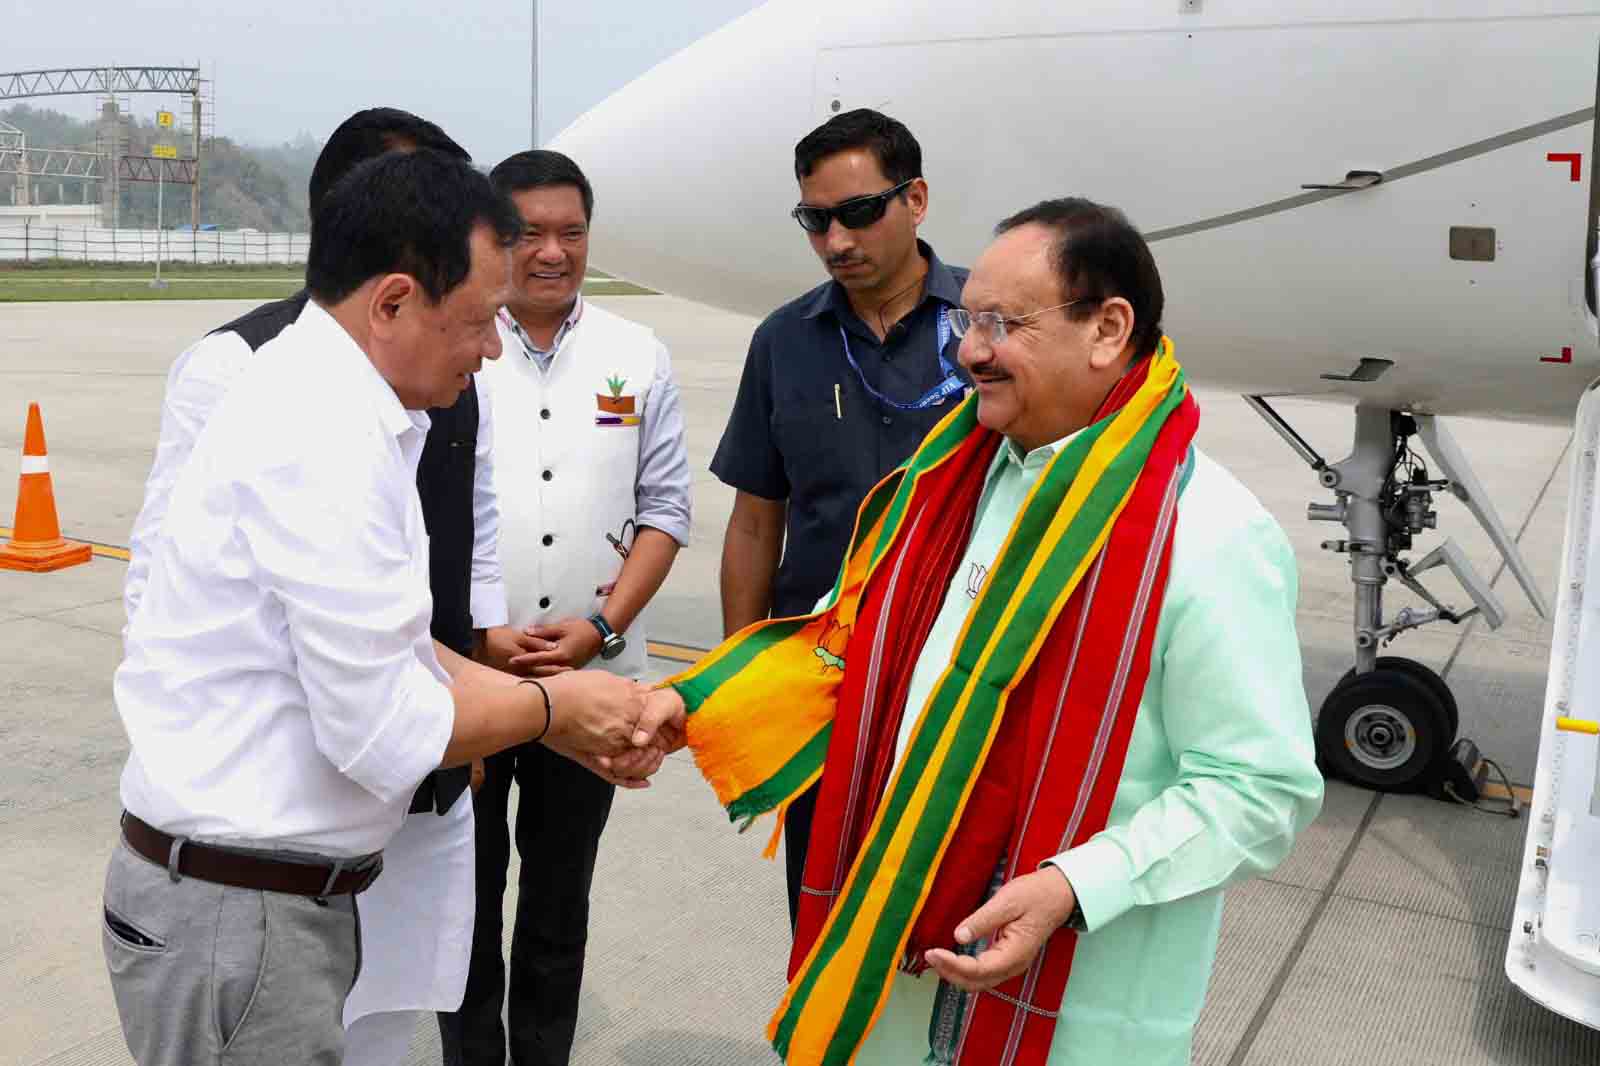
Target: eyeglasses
<point x="852" y="214"/>
<point x="993" y="323"/>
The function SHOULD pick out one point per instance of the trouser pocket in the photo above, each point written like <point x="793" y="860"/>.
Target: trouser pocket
<point x="154" y="978"/>
<point x="129" y="935"/>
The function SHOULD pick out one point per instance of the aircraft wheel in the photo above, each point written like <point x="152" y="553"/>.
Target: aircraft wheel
<point x="1435" y="684"/>
<point x="1382" y="730"/>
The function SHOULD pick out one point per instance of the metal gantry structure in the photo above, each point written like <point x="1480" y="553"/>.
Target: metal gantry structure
<point x="110" y="82"/>
<point x="149" y="168"/>
<point x="52" y="163"/>
<point x="100" y="81"/>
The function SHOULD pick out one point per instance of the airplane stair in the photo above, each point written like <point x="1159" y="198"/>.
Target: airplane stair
<point x="1554" y="951"/>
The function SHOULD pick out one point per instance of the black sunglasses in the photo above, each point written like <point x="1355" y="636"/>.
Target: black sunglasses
<point x="852" y="214"/>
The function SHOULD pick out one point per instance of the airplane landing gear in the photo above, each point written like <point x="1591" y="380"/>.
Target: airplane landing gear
<point x="1390" y="723"/>
<point x="1386" y="729"/>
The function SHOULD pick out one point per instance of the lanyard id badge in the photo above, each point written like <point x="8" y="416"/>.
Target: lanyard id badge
<point x="934" y="396"/>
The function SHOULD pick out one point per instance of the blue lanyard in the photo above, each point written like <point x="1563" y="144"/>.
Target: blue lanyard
<point x="934" y="396"/>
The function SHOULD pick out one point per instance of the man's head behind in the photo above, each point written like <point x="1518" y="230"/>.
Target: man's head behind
<point x="556" y="204"/>
<point x="1081" y="299"/>
<point x="368" y="134"/>
<point x="409" y="251"/>
<point x="857" y="154"/>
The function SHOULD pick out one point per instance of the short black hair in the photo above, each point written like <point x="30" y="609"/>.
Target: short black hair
<point x="1099" y="254"/>
<point x="404" y="213"/>
<point x="898" y="153"/>
<point x="539" y="168"/>
<point x="370" y="133"/>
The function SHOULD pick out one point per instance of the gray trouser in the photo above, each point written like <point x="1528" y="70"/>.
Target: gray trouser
<point x="205" y="973"/>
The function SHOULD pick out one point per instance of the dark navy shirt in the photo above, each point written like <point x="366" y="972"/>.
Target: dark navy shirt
<point x="788" y="439"/>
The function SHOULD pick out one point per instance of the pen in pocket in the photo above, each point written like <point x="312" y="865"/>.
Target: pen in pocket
<point x="838" y="408"/>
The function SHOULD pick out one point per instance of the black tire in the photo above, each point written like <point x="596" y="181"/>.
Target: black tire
<point x="1384" y="731"/>
<point x="1435" y="683"/>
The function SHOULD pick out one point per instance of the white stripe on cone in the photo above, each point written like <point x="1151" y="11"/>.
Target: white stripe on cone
<point x="35" y="464"/>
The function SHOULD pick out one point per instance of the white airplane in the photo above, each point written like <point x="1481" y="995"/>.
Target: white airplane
<point x="1381" y="203"/>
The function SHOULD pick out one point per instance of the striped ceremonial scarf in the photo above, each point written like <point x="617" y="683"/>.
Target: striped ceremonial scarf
<point x="1015" y="755"/>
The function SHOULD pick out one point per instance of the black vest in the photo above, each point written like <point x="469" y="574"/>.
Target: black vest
<point x="444" y="484"/>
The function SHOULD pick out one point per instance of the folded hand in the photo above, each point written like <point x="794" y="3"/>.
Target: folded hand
<point x="1017" y="921"/>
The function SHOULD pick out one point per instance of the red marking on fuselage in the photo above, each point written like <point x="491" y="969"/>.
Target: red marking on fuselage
<point x="1574" y="159"/>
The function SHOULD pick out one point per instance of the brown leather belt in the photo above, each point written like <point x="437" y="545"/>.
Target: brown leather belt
<point x="240" y="869"/>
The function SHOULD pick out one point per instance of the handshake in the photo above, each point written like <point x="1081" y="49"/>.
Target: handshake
<point x="619" y="729"/>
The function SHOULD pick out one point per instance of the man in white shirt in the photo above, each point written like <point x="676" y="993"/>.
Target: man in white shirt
<point x="593" y="483"/>
<point x="281" y="693"/>
<point x="423" y="908"/>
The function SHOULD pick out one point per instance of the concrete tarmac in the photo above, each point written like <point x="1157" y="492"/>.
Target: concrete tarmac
<point x="1380" y="940"/>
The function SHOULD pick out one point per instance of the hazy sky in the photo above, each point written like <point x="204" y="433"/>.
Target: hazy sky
<point x="297" y="66"/>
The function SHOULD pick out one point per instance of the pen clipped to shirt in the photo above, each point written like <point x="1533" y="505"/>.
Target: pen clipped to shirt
<point x="838" y="406"/>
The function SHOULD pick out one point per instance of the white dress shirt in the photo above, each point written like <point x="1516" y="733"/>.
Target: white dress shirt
<point x="280" y="686"/>
<point x="198" y="380"/>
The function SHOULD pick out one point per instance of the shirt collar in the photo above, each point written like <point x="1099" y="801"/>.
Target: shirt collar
<point x="1012" y="453"/>
<point x="348" y="354"/>
<point x="530" y="349"/>
<point x="940" y="284"/>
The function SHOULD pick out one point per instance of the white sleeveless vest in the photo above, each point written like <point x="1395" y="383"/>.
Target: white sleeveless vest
<point x="566" y="467"/>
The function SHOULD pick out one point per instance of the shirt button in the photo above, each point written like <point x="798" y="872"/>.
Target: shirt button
<point x="887" y="420"/>
<point x="548" y="540"/>
<point x="544" y="601"/>
<point x="547" y="475"/>
<point x="544" y="412"/>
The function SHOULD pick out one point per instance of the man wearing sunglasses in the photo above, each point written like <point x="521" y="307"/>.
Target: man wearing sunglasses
<point x="840" y="385"/>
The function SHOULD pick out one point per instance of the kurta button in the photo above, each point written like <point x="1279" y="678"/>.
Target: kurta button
<point x="547" y="475"/>
<point x="548" y="540"/>
<point x="544" y="601"/>
<point x="544" y="412"/>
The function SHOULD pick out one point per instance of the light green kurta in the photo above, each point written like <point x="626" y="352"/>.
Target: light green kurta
<point x="1220" y="775"/>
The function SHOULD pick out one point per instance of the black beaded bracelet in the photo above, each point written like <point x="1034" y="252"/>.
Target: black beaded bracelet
<point x="546" y="695"/>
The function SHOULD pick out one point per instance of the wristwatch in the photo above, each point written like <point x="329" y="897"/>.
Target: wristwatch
<point x="611" y="642"/>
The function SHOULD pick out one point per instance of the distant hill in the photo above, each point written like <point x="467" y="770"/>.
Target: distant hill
<point x="240" y="186"/>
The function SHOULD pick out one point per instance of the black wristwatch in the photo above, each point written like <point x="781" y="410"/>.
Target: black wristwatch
<point x="611" y="642"/>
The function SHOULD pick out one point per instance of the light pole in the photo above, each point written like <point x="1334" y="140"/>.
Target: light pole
<point x="534" y="139"/>
<point x="161" y="173"/>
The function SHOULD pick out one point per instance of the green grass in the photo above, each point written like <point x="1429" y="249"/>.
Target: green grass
<point x="60" y="267"/>
<point x="15" y="289"/>
<point x="612" y="287"/>
<point x="58" y="281"/>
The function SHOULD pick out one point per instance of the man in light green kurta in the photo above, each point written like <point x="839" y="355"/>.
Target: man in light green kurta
<point x="1220" y="773"/>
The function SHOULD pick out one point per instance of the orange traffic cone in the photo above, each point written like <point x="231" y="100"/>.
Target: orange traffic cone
<point x="36" y="542"/>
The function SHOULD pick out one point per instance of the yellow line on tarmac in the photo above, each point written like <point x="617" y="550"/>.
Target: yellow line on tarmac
<point x="103" y="551"/>
<point x="1495" y="790"/>
<point x="678" y="653"/>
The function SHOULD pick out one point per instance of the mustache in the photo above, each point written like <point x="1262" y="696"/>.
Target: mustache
<point x="845" y="259"/>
